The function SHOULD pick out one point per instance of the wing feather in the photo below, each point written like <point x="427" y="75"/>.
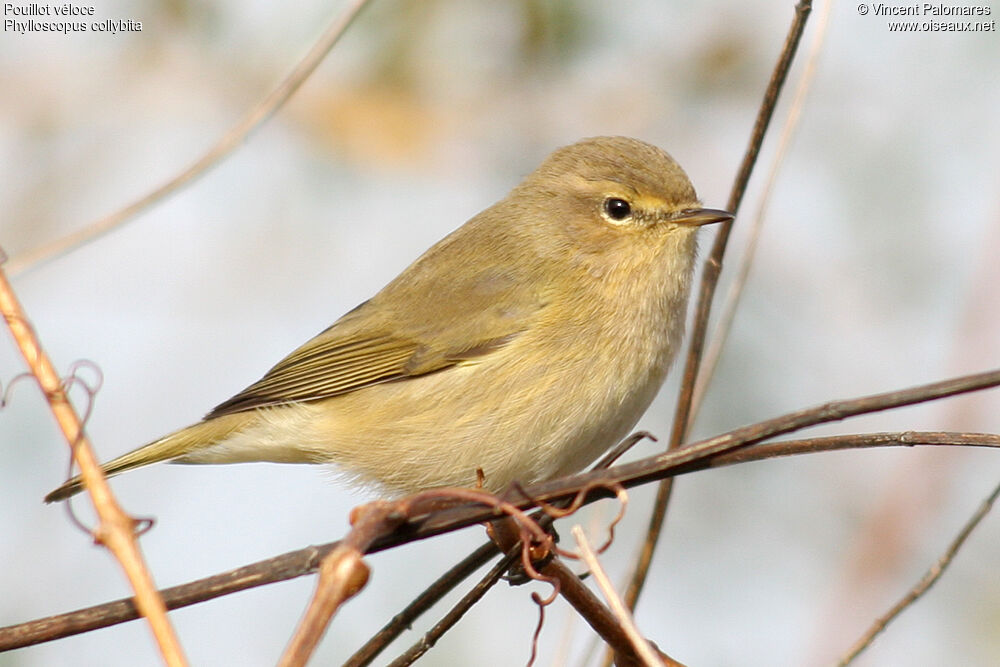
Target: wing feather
<point x="446" y="308"/>
<point x="320" y="369"/>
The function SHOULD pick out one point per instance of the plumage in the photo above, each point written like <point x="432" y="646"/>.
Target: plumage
<point x="523" y="344"/>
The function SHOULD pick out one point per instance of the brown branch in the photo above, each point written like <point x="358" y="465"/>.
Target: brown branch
<point x="305" y="561"/>
<point x="272" y="570"/>
<point x="456" y="613"/>
<point x="693" y="456"/>
<point x="115" y="530"/>
<point x="343" y="572"/>
<point x="510" y="535"/>
<point x="459" y="572"/>
<point x="922" y="586"/>
<point x="833" y="443"/>
<point x="709" y="281"/>
<point x="226" y="145"/>
<point x="431" y="596"/>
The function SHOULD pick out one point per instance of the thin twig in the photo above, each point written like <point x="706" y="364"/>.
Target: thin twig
<point x="271" y="570"/>
<point x="305" y="561"/>
<point x="226" y="145"/>
<point x="728" y="311"/>
<point x="593" y="611"/>
<point x="709" y="281"/>
<point x="621" y="612"/>
<point x="507" y="534"/>
<point x="621" y="448"/>
<point x="431" y="596"/>
<point x="455" y="614"/>
<point x="116" y="530"/>
<point x="922" y="586"/>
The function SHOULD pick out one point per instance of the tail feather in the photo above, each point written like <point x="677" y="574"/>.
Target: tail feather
<point x="169" y="447"/>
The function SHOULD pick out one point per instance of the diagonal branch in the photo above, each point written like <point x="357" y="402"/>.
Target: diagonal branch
<point x="342" y="574"/>
<point x="640" y="644"/>
<point x="444" y="584"/>
<point x="226" y="145"/>
<point x="728" y="313"/>
<point x="925" y="583"/>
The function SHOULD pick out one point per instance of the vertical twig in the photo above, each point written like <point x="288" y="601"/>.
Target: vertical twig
<point x="116" y="530"/>
<point x="709" y="281"/>
<point x="728" y="313"/>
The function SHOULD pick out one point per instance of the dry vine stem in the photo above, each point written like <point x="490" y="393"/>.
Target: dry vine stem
<point x="455" y="575"/>
<point x="116" y="529"/>
<point x="342" y="572"/>
<point x="449" y="581"/>
<point x="709" y="281"/>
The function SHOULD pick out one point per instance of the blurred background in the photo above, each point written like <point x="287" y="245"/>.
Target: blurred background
<point x="876" y="270"/>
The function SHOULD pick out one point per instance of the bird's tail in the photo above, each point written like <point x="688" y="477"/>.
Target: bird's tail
<point x="177" y="444"/>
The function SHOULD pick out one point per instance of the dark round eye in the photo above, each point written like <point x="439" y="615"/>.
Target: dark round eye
<point x="617" y="209"/>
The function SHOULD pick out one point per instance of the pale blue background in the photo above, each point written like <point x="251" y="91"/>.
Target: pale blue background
<point x="877" y="270"/>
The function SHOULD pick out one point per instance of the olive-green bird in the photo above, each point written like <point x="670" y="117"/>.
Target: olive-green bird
<point x="524" y="344"/>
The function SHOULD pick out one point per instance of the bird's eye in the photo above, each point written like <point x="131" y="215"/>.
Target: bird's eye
<point x="617" y="209"/>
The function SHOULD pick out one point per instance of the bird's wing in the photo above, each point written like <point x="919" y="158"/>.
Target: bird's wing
<point x="406" y="331"/>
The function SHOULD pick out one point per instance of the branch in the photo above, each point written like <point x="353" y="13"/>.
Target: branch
<point x="459" y="572"/>
<point x="272" y="570"/>
<point x="305" y="561"/>
<point x="456" y="613"/>
<point x="226" y="145"/>
<point x="590" y="607"/>
<point x="709" y="281"/>
<point x="922" y="586"/>
<point x="342" y="574"/>
<point x="728" y="313"/>
<point x="431" y="596"/>
<point x="115" y="530"/>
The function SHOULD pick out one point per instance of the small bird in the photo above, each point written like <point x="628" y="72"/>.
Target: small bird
<point x="524" y="344"/>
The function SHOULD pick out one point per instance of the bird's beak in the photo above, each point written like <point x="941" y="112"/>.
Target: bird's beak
<point x="696" y="217"/>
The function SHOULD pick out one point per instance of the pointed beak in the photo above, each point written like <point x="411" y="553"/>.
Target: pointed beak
<point x="696" y="217"/>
